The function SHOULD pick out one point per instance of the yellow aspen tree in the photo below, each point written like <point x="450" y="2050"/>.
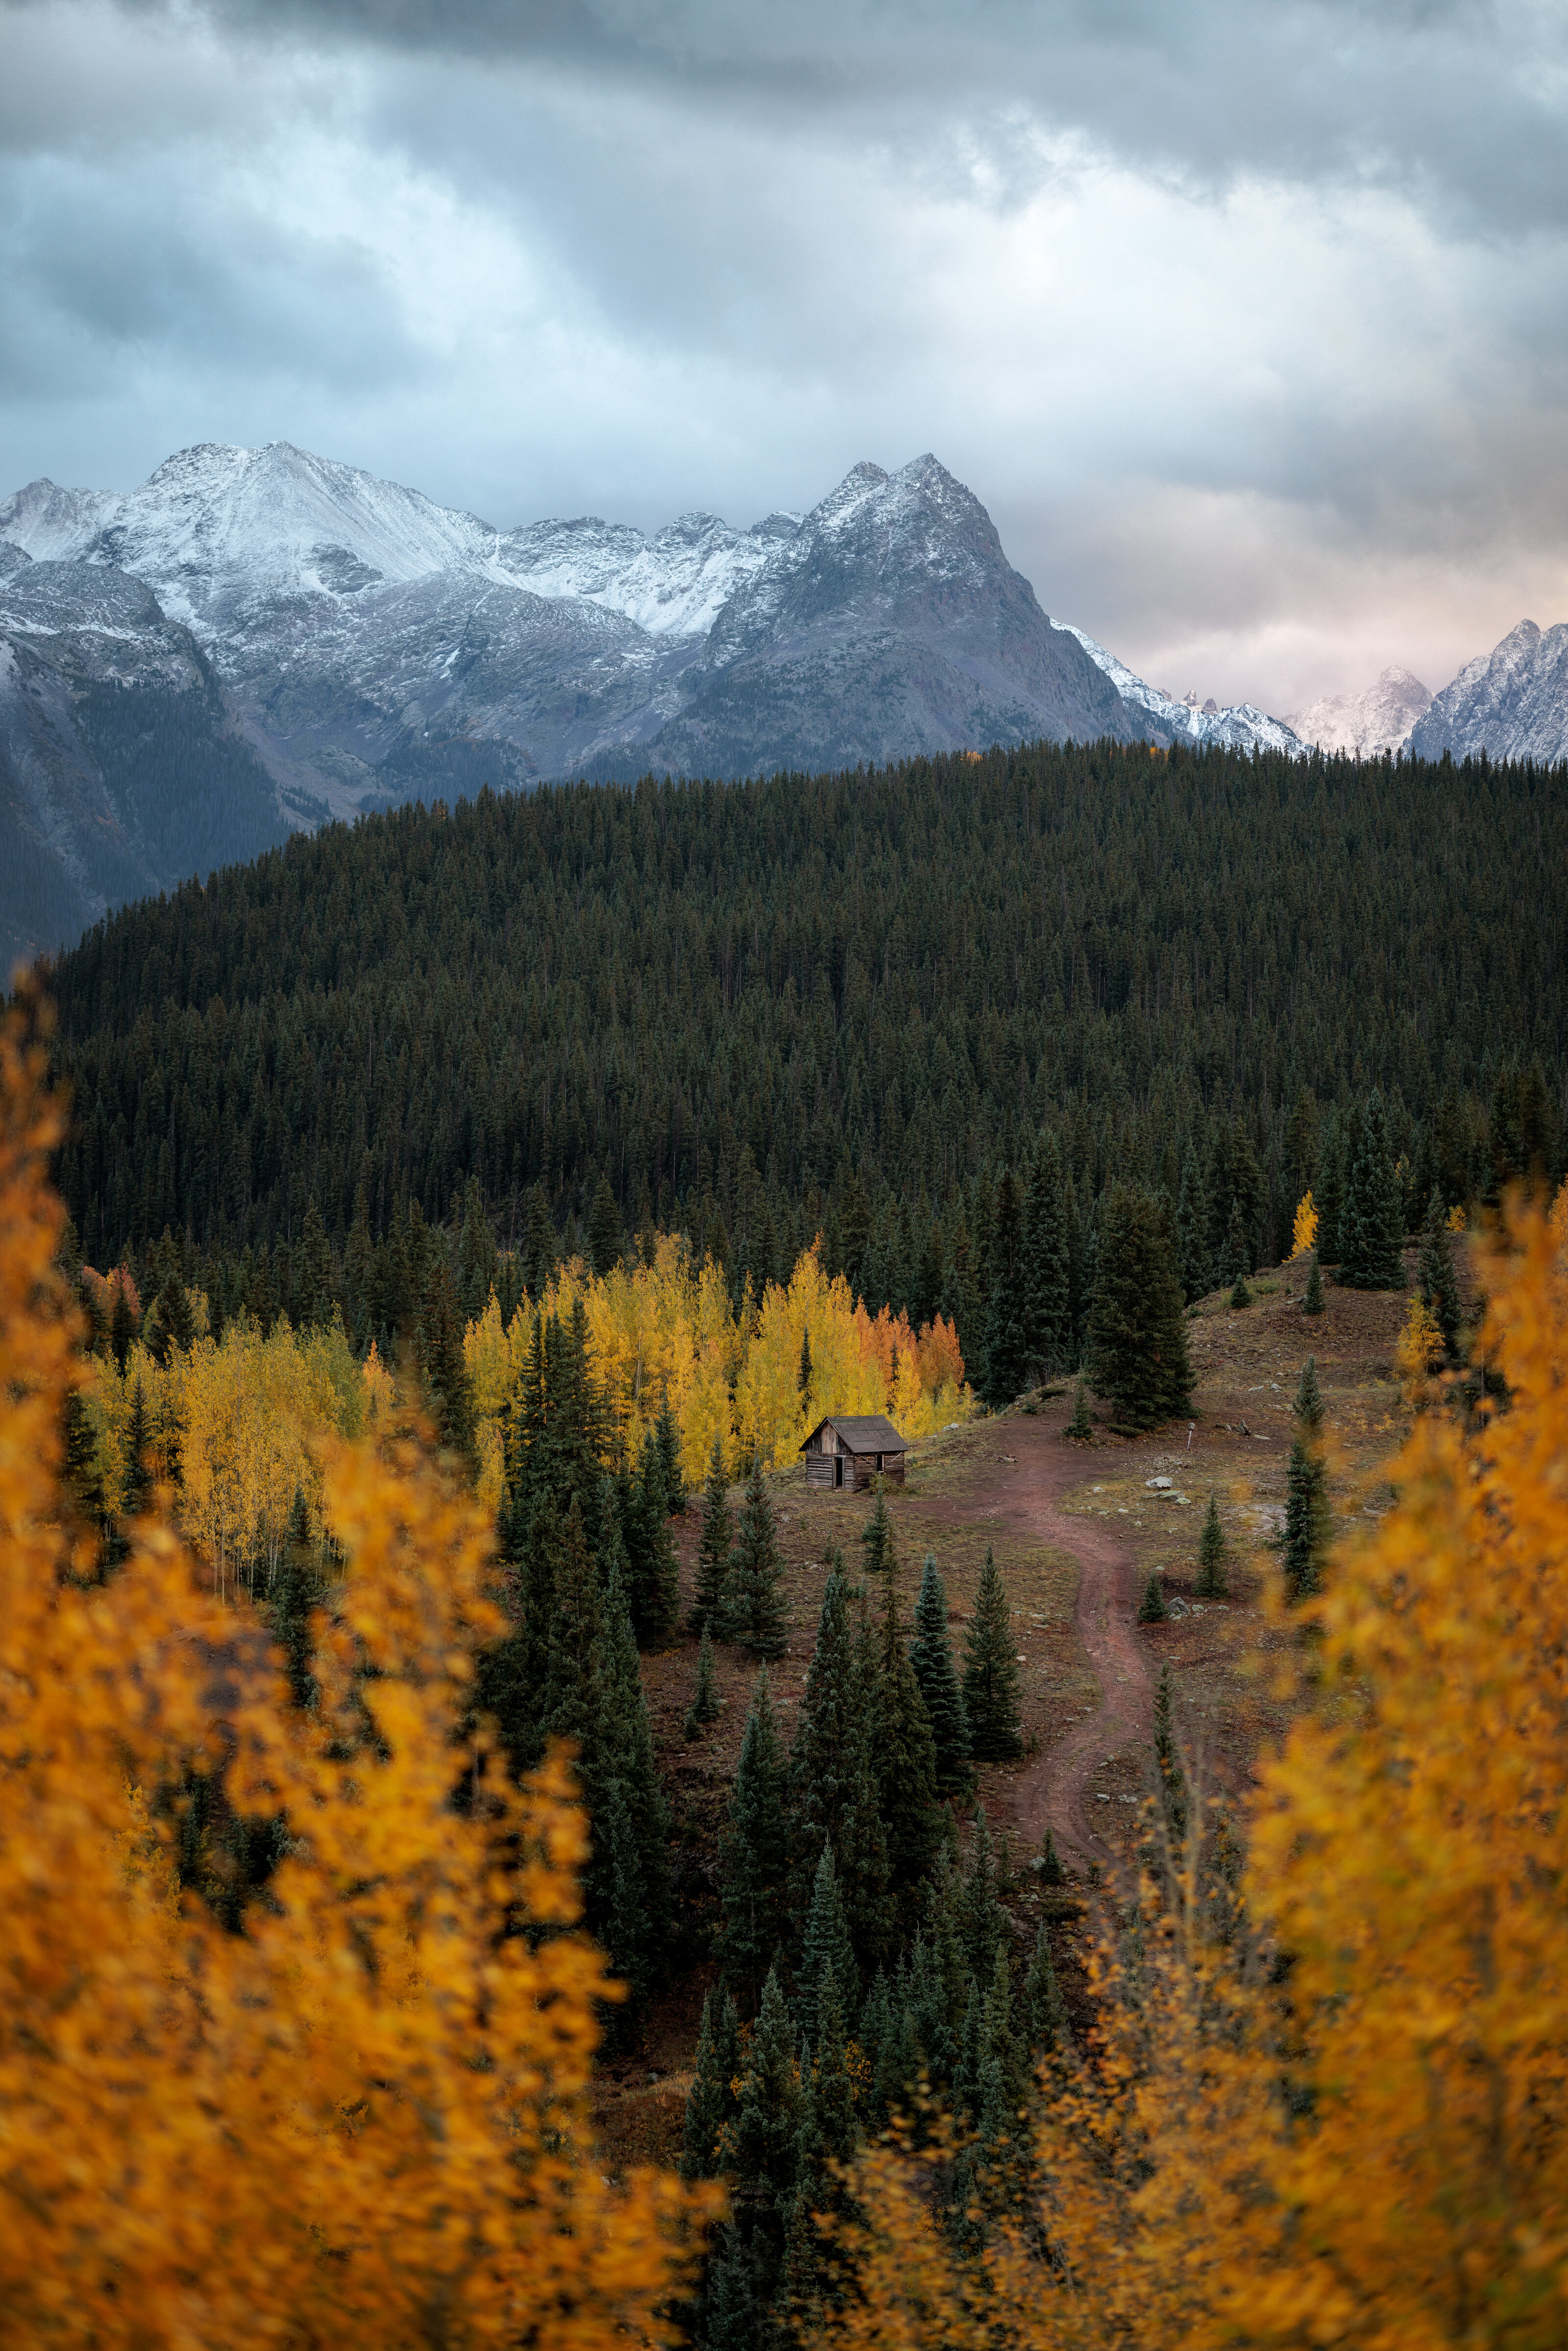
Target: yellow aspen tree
<point x="363" y="2117"/>
<point x="1304" y="1231"/>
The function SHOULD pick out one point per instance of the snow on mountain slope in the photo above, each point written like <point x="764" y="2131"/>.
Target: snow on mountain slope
<point x="1240" y="725"/>
<point x="674" y="584"/>
<point x="1512" y="703"/>
<point x="1364" y="726"/>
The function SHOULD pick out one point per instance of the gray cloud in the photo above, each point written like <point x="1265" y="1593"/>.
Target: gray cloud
<point x="1248" y="322"/>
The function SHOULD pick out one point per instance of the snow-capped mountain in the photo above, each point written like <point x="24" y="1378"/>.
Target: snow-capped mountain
<point x="1512" y="703"/>
<point x="1364" y="725"/>
<point x="364" y="646"/>
<point x="1238" y="725"/>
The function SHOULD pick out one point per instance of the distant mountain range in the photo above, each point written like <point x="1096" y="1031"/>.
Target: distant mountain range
<point x="1364" y="726"/>
<point x="256" y="640"/>
<point x="327" y="643"/>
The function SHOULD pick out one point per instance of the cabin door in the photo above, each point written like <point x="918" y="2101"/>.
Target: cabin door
<point x="837" y="1468"/>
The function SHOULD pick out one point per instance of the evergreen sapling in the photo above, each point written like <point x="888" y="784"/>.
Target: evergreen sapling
<point x="706" y="1706"/>
<point x="1152" y="1609"/>
<point x="931" y="1655"/>
<point x="990" y="1672"/>
<point x="713" y="1546"/>
<point x="1211" y="1549"/>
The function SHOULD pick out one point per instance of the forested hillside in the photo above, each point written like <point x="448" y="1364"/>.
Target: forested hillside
<point x="844" y="1003"/>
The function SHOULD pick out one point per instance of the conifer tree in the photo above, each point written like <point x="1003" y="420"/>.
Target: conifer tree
<point x="1005" y="1341"/>
<point x="438" y="1349"/>
<point x="1046" y="1305"/>
<point x="990" y="1672"/>
<point x="476" y="1255"/>
<point x="1312" y="1304"/>
<point x="1170" y="1774"/>
<point x="711" y="2102"/>
<point x="709" y="1603"/>
<point x="632" y="1887"/>
<point x="754" y="1851"/>
<point x="1044" y="2008"/>
<point x="653" y="1581"/>
<point x="903" y="1757"/>
<point x="573" y="1700"/>
<point x="1137" y="1328"/>
<point x="763" y="2143"/>
<point x="605" y="1238"/>
<point x="804" y="1378"/>
<point x="730" y="2301"/>
<point x="833" y="1793"/>
<point x="538" y="1245"/>
<point x="706" y="1706"/>
<point x="877" y="1540"/>
<point x="1052" y="1873"/>
<point x="121" y="1329"/>
<point x="1211" y="1551"/>
<point x="1003" y="2070"/>
<point x="1339" y="1139"/>
<point x="825" y="1951"/>
<point x="667" y="1438"/>
<point x="1307" y="1531"/>
<point x="291" y="1601"/>
<point x="1308" y="1402"/>
<point x="1439" y="1284"/>
<point x="358" y="1257"/>
<point x="1080" y="1427"/>
<point x="1191" y="1228"/>
<point x="931" y="1655"/>
<point x="79" y="1467"/>
<point x="985" y="1922"/>
<point x="138" y="1479"/>
<point x="1234" y="1265"/>
<point x="313" y="1272"/>
<point x="756" y="1615"/>
<point x="1240" y="1296"/>
<point x="1152" y="1609"/>
<point x="1372" y="1226"/>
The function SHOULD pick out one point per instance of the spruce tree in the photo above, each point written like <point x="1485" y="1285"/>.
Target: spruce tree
<point x="1137" y="1327"/>
<point x="754" y="1850"/>
<point x="667" y="1438"/>
<point x="1308" y="1402"/>
<point x="990" y="1672"/>
<point x="708" y="1603"/>
<point x="1312" y="1304"/>
<point x="1439" y="1284"/>
<point x="833" y="1793"/>
<point x="1046" y="1305"/>
<point x="1240" y="1296"/>
<point x="1235" y="1258"/>
<point x="877" y="1540"/>
<point x="1192" y="1230"/>
<point x="1052" y="1871"/>
<point x="291" y="1601"/>
<point x="1339" y="1139"/>
<point x="1003" y="2070"/>
<point x="1152" y="1609"/>
<point x="706" y="1706"/>
<point x="931" y="1655"/>
<point x="476" y="1255"/>
<point x="139" y="1479"/>
<point x="763" y="2145"/>
<point x="1373" y="1223"/>
<point x="1080" y="1427"/>
<point x="985" y="1922"/>
<point x="755" y="1610"/>
<point x="444" y="1371"/>
<point x="804" y="1378"/>
<point x="1045" y="2010"/>
<point x="632" y="1881"/>
<point x="903" y="1757"/>
<point x="1211" y="1549"/>
<point x="605" y="1238"/>
<point x="654" y="1575"/>
<point x="122" y="1328"/>
<point x="1005" y="1341"/>
<point x="574" y="1701"/>
<point x="826" y="1949"/>
<point x="538" y="1246"/>
<point x="1170" y="1774"/>
<point x="711" y="2102"/>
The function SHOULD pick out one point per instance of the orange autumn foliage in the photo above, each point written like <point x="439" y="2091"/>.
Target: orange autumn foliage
<point x="363" y="2119"/>
<point x="1367" y="2147"/>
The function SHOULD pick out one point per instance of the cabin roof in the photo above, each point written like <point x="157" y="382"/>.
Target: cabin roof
<point x="863" y="1432"/>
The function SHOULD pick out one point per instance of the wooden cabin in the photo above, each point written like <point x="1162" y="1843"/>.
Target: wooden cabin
<point x="852" y="1450"/>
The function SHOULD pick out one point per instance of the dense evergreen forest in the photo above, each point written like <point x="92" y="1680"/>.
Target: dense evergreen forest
<point x="841" y="1003"/>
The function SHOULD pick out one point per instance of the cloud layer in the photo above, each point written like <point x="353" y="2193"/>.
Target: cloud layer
<point x="1248" y="324"/>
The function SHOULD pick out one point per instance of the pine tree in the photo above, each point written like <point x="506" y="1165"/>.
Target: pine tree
<point x="655" y="1576"/>
<point x="833" y="1795"/>
<point x="1139" y="1339"/>
<point x="1152" y="1609"/>
<point x="711" y="2102"/>
<point x="931" y="1655"/>
<point x="1003" y="2070"/>
<point x="825" y="1951"/>
<point x="1439" y="1284"/>
<point x="1052" y="1873"/>
<point x="1045" y="2010"/>
<point x="79" y="1464"/>
<point x="903" y="1757"/>
<point x="706" y="1706"/>
<point x="313" y="1271"/>
<point x="476" y="1255"/>
<point x="359" y="1262"/>
<point x="755" y="1610"/>
<point x="1240" y="1296"/>
<point x="804" y="1379"/>
<point x="1312" y="1304"/>
<point x="138" y="1479"/>
<point x="762" y="2147"/>
<point x="730" y="2311"/>
<point x="605" y="1238"/>
<point x="629" y="1889"/>
<point x="1372" y="1227"/>
<point x="985" y="1922"/>
<point x="1341" y="1138"/>
<point x="667" y="1438"/>
<point x="709" y="1605"/>
<point x="122" y="1328"/>
<point x="1047" y="1319"/>
<point x="1192" y="1230"/>
<point x="1211" y="1552"/>
<point x="538" y="1246"/>
<point x="1080" y="1427"/>
<point x="573" y="1696"/>
<point x="877" y="1540"/>
<point x="1005" y="1342"/>
<point x="990" y="1672"/>
<point x="448" y="1393"/>
<point x="1308" y="1405"/>
<point x="1234" y="1263"/>
<point x="754" y="1851"/>
<point x="291" y="1599"/>
<point x="1170" y="1774"/>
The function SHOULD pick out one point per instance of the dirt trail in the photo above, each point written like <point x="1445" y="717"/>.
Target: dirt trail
<point x="1055" y="1789"/>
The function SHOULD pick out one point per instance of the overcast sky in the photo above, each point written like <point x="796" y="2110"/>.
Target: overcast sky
<point x="1247" y="319"/>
